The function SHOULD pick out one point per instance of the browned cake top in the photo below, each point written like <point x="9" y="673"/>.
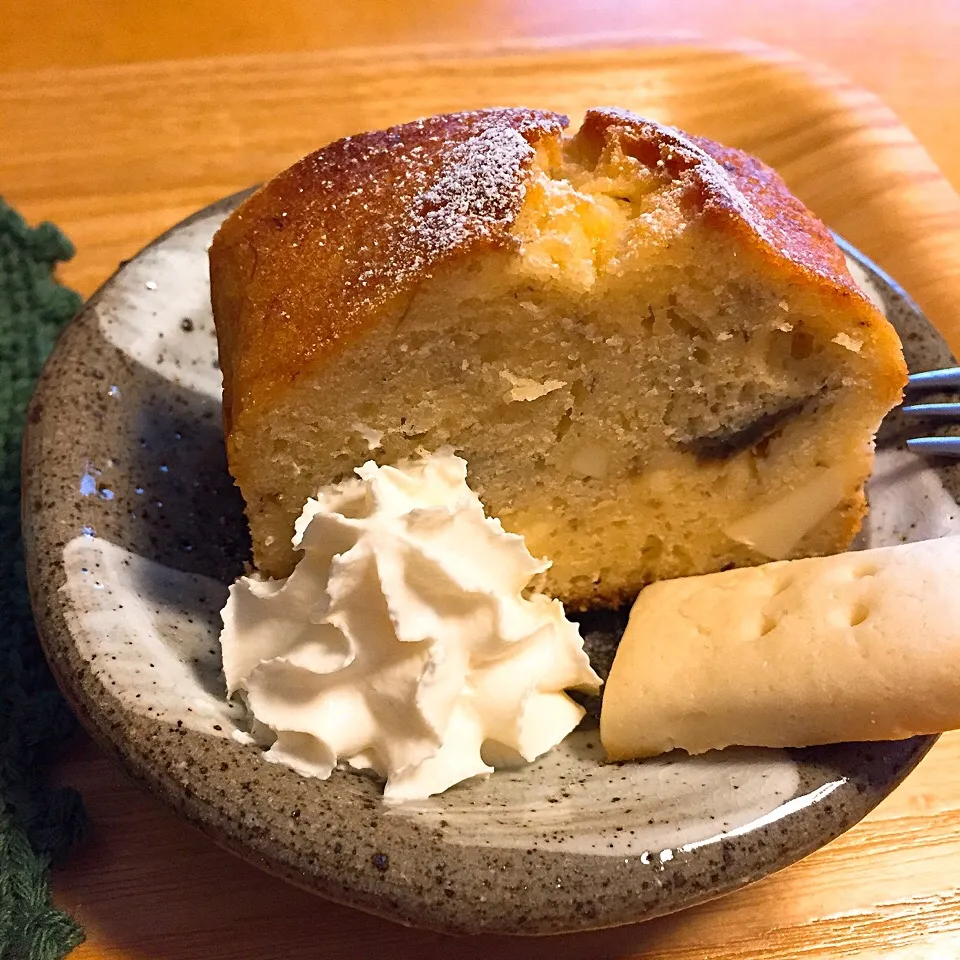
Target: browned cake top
<point x="732" y="186"/>
<point x="324" y="248"/>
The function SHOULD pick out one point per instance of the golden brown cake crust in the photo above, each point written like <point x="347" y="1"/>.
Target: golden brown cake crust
<point x="479" y="281"/>
<point x="732" y="188"/>
<point x="318" y="253"/>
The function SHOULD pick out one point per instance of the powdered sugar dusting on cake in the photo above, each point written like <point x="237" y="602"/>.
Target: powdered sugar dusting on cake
<point x="318" y="254"/>
<point x="394" y="204"/>
<point x="479" y="192"/>
<point x="471" y="193"/>
<point x="734" y="185"/>
<point x="328" y="243"/>
<point x="681" y="154"/>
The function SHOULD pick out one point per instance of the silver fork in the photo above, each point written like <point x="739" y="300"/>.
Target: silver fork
<point x="935" y="380"/>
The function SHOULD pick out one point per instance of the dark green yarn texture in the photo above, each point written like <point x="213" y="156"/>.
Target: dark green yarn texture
<point x="38" y="825"/>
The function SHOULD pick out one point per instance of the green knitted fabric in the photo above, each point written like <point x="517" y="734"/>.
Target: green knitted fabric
<point x="37" y="824"/>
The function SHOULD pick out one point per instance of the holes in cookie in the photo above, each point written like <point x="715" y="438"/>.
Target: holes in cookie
<point x="865" y="570"/>
<point x="767" y="624"/>
<point x="859" y="613"/>
<point x="780" y="586"/>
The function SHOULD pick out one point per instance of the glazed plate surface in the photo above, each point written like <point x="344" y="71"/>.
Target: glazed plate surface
<point x="134" y="530"/>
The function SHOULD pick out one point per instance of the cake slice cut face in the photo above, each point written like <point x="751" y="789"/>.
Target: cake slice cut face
<point x="651" y="355"/>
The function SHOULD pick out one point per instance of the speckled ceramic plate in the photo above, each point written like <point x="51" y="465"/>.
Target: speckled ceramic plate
<point x="133" y="530"/>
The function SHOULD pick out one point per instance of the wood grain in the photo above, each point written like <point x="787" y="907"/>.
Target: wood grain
<point x="116" y="153"/>
<point x="904" y="52"/>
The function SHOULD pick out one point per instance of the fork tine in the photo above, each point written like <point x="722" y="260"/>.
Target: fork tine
<point x="938" y="446"/>
<point x="951" y="410"/>
<point x="933" y="379"/>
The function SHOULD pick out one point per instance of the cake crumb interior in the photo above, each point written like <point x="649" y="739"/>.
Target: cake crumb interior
<point x="626" y="385"/>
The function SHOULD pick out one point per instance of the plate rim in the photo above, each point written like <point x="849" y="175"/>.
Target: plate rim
<point x="51" y="625"/>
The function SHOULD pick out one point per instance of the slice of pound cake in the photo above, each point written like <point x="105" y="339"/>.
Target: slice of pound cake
<point x="651" y="355"/>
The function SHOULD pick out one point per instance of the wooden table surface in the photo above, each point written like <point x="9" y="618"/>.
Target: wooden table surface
<point x="116" y="122"/>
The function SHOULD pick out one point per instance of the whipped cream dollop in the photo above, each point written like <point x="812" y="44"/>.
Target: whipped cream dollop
<point x="402" y="642"/>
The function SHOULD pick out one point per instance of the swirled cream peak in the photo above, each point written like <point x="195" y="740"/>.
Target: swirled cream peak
<point x="402" y="641"/>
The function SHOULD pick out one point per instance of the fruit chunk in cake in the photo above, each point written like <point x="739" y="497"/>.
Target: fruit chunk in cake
<point x="651" y="355"/>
